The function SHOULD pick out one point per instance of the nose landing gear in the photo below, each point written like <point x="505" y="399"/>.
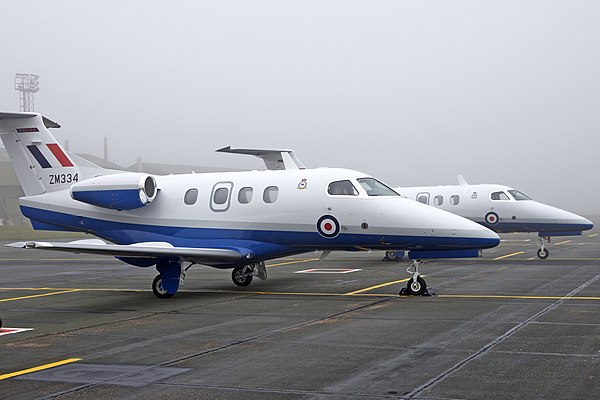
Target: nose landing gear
<point x="416" y="286"/>
<point x="543" y="252"/>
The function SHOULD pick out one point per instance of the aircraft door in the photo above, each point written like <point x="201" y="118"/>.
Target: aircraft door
<point x="423" y="197"/>
<point x="220" y="197"/>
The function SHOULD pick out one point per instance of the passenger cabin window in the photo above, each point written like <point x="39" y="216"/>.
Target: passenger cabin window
<point x="375" y="188"/>
<point x="342" y="188"/>
<point x="245" y="195"/>
<point x="499" y="196"/>
<point x="423" y="198"/>
<point x="438" y="200"/>
<point x="190" y="197"/>
<point x="519" y="195"/>
<point x="270" y="194"/>
<point x="454" y="199"/>
<point x="220" y="196"/>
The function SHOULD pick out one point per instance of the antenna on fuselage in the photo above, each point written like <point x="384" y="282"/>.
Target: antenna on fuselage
<point x="273" y="159"/>
<point x="461" y="180"/>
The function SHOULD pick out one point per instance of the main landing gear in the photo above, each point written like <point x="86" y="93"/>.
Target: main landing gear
<point x="242" y="276"/>
<point x="543" y="252"/>
<point x="171" y="276"/>
<point x="416" y="286"/>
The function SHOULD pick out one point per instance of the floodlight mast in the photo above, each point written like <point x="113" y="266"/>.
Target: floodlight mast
<point x="27" y="85"/>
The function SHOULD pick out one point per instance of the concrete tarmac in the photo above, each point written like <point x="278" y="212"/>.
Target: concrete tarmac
<point x="505" y="326"/>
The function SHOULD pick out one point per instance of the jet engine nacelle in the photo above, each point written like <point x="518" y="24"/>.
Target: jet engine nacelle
<point x="126" y="191"/>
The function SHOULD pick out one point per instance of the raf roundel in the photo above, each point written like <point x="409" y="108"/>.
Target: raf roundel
<point x="491" y="218"/>
<point x="328" y="226"/>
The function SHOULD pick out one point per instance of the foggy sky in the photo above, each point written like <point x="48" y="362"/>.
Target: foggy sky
<point x="412" y="92"/>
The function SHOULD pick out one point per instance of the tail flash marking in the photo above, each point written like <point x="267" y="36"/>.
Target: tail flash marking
<point x="60" y="155"/>
<point x="37" y="154"/>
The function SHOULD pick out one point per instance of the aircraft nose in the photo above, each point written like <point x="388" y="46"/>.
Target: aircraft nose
<point x="484" y="238"/>
<point x="585" y="224"/>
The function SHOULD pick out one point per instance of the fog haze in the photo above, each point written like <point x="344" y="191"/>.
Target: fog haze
<point x="412" y="92"/>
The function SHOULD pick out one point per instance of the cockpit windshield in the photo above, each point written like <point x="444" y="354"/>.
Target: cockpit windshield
<point x="375" y="188"/>
<point x="499" y="196"/>
<point x="519" y="195"/>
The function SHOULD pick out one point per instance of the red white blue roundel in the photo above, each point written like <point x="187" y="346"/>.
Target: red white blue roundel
<point x="491" y="218"/>
<point x="328" y="226"/>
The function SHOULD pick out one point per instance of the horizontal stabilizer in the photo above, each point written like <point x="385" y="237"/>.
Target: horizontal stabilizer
<point x="206" y="256"/>
<point x="273" y="159"/>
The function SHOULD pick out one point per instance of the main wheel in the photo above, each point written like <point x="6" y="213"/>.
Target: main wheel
<point x="239" y="277"/>
<point x="158" y="290"/>
<point x="543" y="253"/>
<point x="416" y="288"/>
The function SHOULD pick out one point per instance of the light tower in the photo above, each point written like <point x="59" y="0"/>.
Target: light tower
<point x="27" y="85"/>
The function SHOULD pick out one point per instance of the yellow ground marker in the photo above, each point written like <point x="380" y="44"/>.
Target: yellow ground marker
<point x="594" y="234"/>
<point x="563" y="242"/>
<point x="509" y="255"/>
<point x="376" y="287"/>
<point x="293" y="262"/>
<point x="40" y="295"/>
<point x="40" y="368"/>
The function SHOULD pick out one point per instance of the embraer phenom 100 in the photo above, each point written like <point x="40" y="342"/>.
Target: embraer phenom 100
<point x="502" y="209"/>
<point x="234" y="220"/>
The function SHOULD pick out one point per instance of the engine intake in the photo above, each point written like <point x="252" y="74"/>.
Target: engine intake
<point x="126" y="191"/>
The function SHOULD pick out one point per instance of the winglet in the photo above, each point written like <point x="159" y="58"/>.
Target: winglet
<point x="461" y="180"/>
<point x="273" y="159"/>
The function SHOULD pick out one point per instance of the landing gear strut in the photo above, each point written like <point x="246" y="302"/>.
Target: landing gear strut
<point x="416" y="286"/>
<point x="543" y="252"/>
<point x="242" y="276"/>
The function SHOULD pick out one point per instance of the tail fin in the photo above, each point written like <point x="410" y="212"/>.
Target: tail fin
<point x="39" y="161"/>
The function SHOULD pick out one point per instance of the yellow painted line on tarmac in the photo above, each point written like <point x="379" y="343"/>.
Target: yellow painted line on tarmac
<point x="485" y="296"/>
<point x="40" y="295"/>
<point x="377" y="286"/>
<point x="293" y="262"/>
<point x="39" y="368"/>
<point x="594" y="234"/>
<point x="508" y="255"/>
<point x="563" y="242"/>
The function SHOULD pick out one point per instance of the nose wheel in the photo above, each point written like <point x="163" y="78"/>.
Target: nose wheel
<point x="543" y="252"/>
<point x="416" y="286"/>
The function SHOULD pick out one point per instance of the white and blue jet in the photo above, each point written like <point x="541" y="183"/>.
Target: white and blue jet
<point x="501" y="209"/>
<point x="235" y="220"/>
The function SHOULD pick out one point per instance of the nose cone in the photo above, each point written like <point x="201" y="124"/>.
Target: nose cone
<point x="445" y="230"/>
<point x="552" y="219"/>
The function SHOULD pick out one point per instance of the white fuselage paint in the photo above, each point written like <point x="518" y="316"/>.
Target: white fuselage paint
<point x="301" y="200"/>
<point x="475" y="203"/>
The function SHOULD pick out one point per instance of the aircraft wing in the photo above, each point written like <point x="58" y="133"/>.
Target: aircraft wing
<point x="208" y="256"/>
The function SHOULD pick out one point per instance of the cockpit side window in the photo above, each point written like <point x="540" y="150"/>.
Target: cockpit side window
<point x="342" y="188"/>
<point x="519" y="195"/>
<point x="375" y="188"/>
<point x="499" y="196"/>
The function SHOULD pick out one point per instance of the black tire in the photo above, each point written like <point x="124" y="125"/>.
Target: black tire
<point x="240" y="278"/>
<point x="158" y="289"/>
<point x="543" y="253"/>
<point x="0" y="323"/>
<point x="416" y="288"/>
